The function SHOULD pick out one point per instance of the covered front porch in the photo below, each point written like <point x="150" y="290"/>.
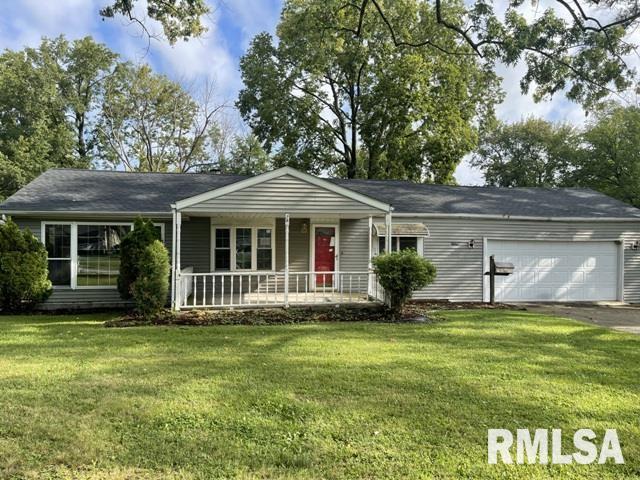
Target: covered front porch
<point x="279" y="239"/>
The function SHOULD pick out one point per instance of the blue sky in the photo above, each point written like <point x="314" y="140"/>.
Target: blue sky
<point x="232" y="25"/>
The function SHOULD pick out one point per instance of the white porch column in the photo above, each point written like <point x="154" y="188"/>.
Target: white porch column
<point x="286" y="260"/>
<point x="369" y="264"/>
<point x="178" y="230"/>
<point x="173" y="258"/>
<point x="387" y="242"/>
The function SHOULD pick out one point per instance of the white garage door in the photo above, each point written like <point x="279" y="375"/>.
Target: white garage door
<point x="556" y="271"/>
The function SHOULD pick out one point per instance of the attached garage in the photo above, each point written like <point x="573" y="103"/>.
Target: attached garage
<point x="558" y="271"/>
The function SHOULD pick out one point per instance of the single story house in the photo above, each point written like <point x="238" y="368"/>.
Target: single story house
<point x="287" y="237"/>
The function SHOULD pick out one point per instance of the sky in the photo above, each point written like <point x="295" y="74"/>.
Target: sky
<point x="215" y="56"/>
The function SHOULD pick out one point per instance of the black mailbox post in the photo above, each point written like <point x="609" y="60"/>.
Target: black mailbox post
<point x="502" y="269"/>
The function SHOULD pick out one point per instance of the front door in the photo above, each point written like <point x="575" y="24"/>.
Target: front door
<point x="324" y="255"/>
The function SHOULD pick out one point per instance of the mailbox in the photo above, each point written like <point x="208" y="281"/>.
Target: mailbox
<point x="501" y="269"/>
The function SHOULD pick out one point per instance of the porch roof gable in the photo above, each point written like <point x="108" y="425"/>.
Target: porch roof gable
<point x="287" y="187"/>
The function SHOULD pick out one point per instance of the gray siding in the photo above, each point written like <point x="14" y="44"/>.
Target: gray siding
<point x="195" y="244"/>
<point x="84" y="297"/>
<point x="354" y="245"/>
<point x="298" y="245"/>
<point x="460" y="267"/>
<point x="281" y="195"/>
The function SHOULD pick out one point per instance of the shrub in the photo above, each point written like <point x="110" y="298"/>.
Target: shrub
<point x="151" y="287"/>
<point x="24" y="272"/>
<point x="132" y="248"/>
<point x="400" y="274"/>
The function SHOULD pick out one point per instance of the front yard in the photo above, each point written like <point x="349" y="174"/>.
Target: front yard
<point x="351" y="400"/>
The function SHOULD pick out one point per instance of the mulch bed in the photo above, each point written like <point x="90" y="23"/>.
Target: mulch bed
<point x="414" y="312"/>
<point x="272" y="316"/>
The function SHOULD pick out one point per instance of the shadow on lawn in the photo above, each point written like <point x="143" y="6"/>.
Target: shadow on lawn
<point x="298" y="396"/>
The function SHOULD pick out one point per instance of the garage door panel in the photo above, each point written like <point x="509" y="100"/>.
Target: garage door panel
<point x="557" y="271"/>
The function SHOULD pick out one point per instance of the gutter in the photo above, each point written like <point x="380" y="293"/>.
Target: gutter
<point x="67" y="213"/>
<point x="480" y="216"/>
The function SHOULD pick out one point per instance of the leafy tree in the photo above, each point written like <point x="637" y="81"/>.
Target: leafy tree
<point x="132" y="250"/>
<point x="610" y="158"/>
<point x="86" y="66"/>
<point x="579" y="47"/>
<point x="247" y="157"/>
<point x="529" y="153"/>
<point x="48" y="96"/>
<point x="179" y="18"/>
<point x="400" y="274"/>
<point x="151" y="287"/>
<point x="324" y="98"/>
<point x="150" y="123"/>
<point x="24" y="278"/>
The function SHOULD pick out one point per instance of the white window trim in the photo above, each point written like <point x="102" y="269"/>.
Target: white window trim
<point x="254" y="247"/>
<point x="395" y="238"/>
<point x="74" y="250"/>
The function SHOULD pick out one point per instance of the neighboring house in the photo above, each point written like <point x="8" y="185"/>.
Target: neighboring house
<point x="286" y="237"/>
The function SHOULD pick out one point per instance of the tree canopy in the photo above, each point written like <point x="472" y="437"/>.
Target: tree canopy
<point x="180" y="19"/>
<point x="603" y="155"/>
<point x="46" y="94"/>
<point x="75" y="104"/>
<point x="150" y="123"/>
<point x="578" y="47"/>
<point x="357" y="106"/>
<point x="529" y="153"/>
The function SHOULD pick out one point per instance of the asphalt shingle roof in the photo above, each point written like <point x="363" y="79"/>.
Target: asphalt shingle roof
<point x="68" y="190"/>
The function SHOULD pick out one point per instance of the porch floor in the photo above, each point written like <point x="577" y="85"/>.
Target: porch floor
<point x="262" y="299"/>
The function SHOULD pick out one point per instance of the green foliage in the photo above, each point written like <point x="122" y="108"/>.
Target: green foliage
<point x="46" y="96"/>
<point x="247" y="157"/>
<point x="610" y="159"/>
<point x="132" y="250"/>
<point x="150" y="123"/>
<point x="24" y="278"/>
<point x="179" y="18"/>
<point x="322" y="98"/>
<point x="604" y="155"/>
<point x="325" y="401"/>
<point x="151" y="287"/>
<point x="529" y="153"/>
<point x="401" y="273"/>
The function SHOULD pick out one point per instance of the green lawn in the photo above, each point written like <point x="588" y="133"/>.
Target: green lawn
<point x="353" y="400"/>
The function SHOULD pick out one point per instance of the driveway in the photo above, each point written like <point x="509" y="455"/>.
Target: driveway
<point x="625" y="318"/>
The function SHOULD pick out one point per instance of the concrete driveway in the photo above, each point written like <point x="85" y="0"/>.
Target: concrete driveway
<point x="617" y="316"/>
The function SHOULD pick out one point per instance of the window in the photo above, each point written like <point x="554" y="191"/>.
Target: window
<point x="99" y="254"/>
<point x="57" y="239"/>
<point x="85" y="254"/>
<point x="222" y="255"/>
<point x="399" y="243"/>
<point x="264" y="249"/>
<point x="243" y="249"/>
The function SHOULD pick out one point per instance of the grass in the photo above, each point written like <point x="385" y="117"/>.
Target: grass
<point x="352" y="400"/>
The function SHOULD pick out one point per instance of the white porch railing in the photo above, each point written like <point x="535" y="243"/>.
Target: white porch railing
<point x="263" y="289"/>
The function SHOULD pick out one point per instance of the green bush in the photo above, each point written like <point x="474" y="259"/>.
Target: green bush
<point x="132" y="248"/>
<point x="24" y="272"/>
<point x="400" y="274"/>
<point x="151" y="288"/>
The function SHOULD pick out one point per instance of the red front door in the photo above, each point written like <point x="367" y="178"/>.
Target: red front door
<point x="325" y="255"/>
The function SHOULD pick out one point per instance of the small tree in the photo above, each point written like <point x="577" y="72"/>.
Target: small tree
<point x="131" y="250"/>
<point x="24" y="272"/>
<point x="151" y="287"/>
<point x="400" y="274"/>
